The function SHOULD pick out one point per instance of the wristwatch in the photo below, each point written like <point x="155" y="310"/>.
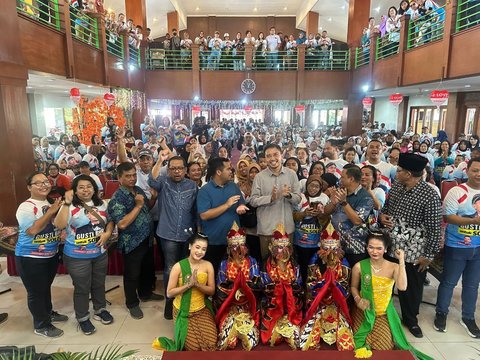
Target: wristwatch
<point x="344" y="203"/>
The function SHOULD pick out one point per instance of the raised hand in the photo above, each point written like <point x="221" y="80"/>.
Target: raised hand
<point x="69" y="196"/>
<point x="139" y="200"/>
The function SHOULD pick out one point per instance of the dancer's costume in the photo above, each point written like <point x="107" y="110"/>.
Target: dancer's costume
<point x="282" y="311"/>
<point x="327" y="317"/>
<point x="238" y="285"/>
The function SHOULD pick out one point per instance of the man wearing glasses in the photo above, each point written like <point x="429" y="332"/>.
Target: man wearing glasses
<point x="176" y="208"/>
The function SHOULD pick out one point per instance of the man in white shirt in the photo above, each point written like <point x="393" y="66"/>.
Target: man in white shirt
<point x="373" y="157"/>
<point x="273" y="43"/>
<point x="324" y="44"/>
<point x="330" y="155"/>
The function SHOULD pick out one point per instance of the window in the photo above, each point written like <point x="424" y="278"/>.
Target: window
<point x="54" y="120"/>
<point x="470" y="121"/>
<point x="430" y="116"/>
<point x="204" y="113"/>
<point x="282" y="116"/>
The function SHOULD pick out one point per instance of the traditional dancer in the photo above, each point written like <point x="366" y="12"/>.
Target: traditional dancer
<point x="282" y="313"/>
<point x="328" y="318"/>
<point x="236" y="303"/>
<point x="191" y="281"/>
<point x="375" y="320"/>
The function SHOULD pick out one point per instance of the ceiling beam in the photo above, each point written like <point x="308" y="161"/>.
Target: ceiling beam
<point x="302" y="12"/>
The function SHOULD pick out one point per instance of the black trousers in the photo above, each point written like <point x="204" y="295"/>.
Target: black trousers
<point x="303" y="257"/>
<point x="215" y="254"/>
<point x="411" y="298"/>
<point x="37" y="276"/>
<point x="137" y="273"/>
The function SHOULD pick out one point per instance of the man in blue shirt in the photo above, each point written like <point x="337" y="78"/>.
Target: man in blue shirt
<point x="218" y="204"/>
<point x="176" y="208"/>
<point x="129" y="210"/>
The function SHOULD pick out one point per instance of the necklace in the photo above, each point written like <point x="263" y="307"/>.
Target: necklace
<point x="375" y="270"/>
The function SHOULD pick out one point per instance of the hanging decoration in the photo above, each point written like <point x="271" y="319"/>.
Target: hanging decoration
<point x="129" y="100"/>
<point x="196" y="108"/>
<point x="367" y="103"/>
<point x="439" y="97"/>
<point x="90" y="116"/>
<point x="300" y="109"/>
<point x="248" y="108"/>
<point x="109" y="99"/>
<point x="75" y="95"/>
<point x="396" y="99"/>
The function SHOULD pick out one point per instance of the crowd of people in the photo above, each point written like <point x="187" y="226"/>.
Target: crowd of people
<point x="274" y="51"/>
<point x="307" y="225"/>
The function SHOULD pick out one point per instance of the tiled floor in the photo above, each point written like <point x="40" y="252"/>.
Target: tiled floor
<point x="138" y="334"/>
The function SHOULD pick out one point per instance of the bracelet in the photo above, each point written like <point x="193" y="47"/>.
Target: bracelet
<point x="355" y="298"/>
<point x="344" y="203"/>
<point x="68" y="204"/>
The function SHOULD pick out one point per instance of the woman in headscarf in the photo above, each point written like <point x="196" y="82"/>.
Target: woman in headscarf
<point x="109" y="160"/>
<point x="241" y="173"/>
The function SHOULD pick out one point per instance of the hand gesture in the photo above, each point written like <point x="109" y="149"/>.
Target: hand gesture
<point x="69" y="196"/>
<point x="313" y="212"/>
<point x="103" y="239"/>
<point x="57" y="204"/>
<point x="422" y="263"/>
<point x="120" y="132"/>
<point x="242" y="209"/>
<point x="386" y="220"/>
<point x="400" y="255"/>
<point x="233" y="200"/>
<point x="341" y="195"/>
<point x="363" y="304"/>
<point x="139" y="200"/>
<point x="162" y="141"/>
<point x="194" y="278"/>
<point x="274" y="193"/>
<point x="286" y="190"/>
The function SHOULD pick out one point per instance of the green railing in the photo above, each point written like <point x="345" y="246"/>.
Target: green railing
<point x="84" y="28"/>
<point x="362" y="56"/>
<point x="222" y="59"/>
<point x="134" y="56"/>
<point x="160" y="59"/>
<point x="327" y="59"/>
<point x="426" y="28"/>
<point x="45" y="11"/>
<point x="114" y="44"/>
<point x="387" y="45"/>
<point x="278" y="61"/>
<point x="468" y="14"/>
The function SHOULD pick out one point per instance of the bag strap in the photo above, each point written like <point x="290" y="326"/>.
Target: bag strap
<point x="96" y="214"/>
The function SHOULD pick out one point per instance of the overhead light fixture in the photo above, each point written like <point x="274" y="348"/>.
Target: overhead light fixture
<point x="285" y="8"/>
<point x="343" y="7"/>
<point x="155" y="20"/>
<point x="89" y="86"/>
<point x="244" y="101"/>
<point x="377" y="9"/>
<point x="197" y="8"/>
<point x="131" y="67"/>
<point x="254" y="9"/>
<point x="365" y="88"/>
<point x="196" y="98"/>
<point x="51" y="80"/>
<point x="321" y="28"/>
<point x="468" y="86"/>
<point x="330" y="19"/>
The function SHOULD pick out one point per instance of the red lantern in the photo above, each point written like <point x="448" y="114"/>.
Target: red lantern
<point x="439" y="97"/>
<point x="367" y="103"/>
<point x="248" y="108"/>
<point x="196" y="108"/>
<point x="300" y="108"/>
<point x="109" y="99"/>
<point x="75" y="95"/>
<point x="396" y="99"/>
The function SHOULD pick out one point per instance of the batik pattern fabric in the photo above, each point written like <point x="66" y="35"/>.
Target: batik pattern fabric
<point x="238" y="286"/>
<point x="327" y="317"/>
<point x="282" y="310"/>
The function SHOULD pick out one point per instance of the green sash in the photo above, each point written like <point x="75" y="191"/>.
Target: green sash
<point x="393" y="319"/>
<point x="181" y="323"/>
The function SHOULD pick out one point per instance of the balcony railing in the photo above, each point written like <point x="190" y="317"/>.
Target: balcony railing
<point x="45" y="11"/>
<point x="134" y="56"/>
<point x="362" y="56"/>
<point x="115" y="44"/>
<point x="387" y="45"/>
<point x="327" y="60"/>
<point x="275" y="60"/>
<point x="468" y="14"/>
<point x="84" y="28"/>
<point x="160" y="59"/>
<point x="426" y="28"/>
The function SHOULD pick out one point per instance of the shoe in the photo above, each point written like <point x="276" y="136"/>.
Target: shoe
<point x="50" y="332"/>
<point x="3" y="317"/>
<point x="136" y="312"/>
<point x="415" y="331"/>
<point x="104" y="316"/>
<point x="168" y="312"/>
<point x="87" y="327"/>
<point x="56" y="317"/>
<point x="440" y="322"/>
<point x="471" y="327"/>
<point x="153" y="297"/>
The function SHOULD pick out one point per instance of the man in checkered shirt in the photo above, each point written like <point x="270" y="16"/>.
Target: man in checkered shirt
<point x="413" y="213"/>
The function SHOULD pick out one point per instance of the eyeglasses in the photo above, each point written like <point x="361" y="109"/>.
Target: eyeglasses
<point x="179" y="168"/>
<point x="42" y="183"/>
